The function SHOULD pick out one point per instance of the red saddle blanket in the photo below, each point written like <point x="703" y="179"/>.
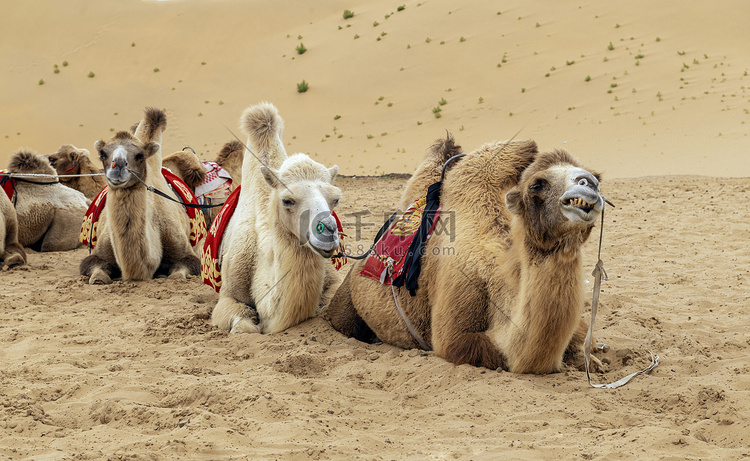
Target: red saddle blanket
<point x="210" y="267"/>
<point x="197" y="224"/>
<point x="7" y="184"/>
<point x="387" y="259"/>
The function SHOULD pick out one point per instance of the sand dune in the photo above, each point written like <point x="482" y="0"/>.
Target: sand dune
<point x="669" y="97"/>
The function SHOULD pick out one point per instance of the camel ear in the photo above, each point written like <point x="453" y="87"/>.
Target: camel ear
<point x="333" y="171"/>
<point x="513" y="201"/>
<point x="270" y="176"/>
<point x="151" y="148"/>
<point x="99" y="145"/>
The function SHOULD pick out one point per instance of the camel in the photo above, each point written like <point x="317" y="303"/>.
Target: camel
<point x="140" y="234"/>
<point x="210" y="181"/>
<point x="274" y="255"/>
<point x="505" y="290"/>
<point x="49" y="213"/>
<point x="70" y="160"/>
<point x="11" y="252"/>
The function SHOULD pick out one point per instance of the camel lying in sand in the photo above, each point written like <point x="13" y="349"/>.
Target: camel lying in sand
<point x="140" y="234"/>
<point x="275" y="265"/>
<point x="49" y="213"/>
<point x="70" y="160"/>
<point x="505" y="290"/>
<point x="212" y="182"/>
<point x="11" y="252"/>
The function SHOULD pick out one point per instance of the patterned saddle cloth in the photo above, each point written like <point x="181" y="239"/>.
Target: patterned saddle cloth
<point x="88" y="235"/>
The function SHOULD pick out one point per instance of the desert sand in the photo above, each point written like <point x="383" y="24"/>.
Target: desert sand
<point x="134" y="370"/>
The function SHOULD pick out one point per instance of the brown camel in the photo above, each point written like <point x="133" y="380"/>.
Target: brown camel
<point x="70" y="160"/>
<point x="11" y="252"/>
<point x="49" y="213"/>
<point x="210" y="185"/>
<point x="505" y="290"/>
<point x="139" y="234"/>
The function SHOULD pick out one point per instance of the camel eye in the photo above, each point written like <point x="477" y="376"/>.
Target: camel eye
<point x="538" y="186"/>
<point x="102" y="155"/>
<point x="335" y="203"/>
<point x="139" y="157"/>
<point x="287" y="203"/>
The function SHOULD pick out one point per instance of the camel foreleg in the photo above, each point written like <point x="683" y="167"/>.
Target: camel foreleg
<point x="235" y="316"/>
<point x="101" y="266"/>
<point x="187" y="266"/>
<point x="15" y="255"/>
<point x="342" y="315"/>
<point x="460" y="317"/>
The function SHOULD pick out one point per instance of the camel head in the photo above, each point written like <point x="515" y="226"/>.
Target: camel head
<point x="303" y="196"/>
<point x="556" y="198"/>
<point x="67" y="158"/>
<point x="124" y="157"/>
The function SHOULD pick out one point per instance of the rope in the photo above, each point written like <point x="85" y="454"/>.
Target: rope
<point x="409" y="326"/>
<point x="598" y="272"/>
<point x="162" y="194"/>
<point x="44" y="175"/>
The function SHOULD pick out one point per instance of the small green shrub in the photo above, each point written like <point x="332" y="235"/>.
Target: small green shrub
<point x="611" y="46"/>
<point x="91" y="74"/>
<point x="401" y="8"/>
<point x="302" y="86"/>
<point x="41" y="81"/>
<point x="348" y="14"/>
<point x="301" y="48"/>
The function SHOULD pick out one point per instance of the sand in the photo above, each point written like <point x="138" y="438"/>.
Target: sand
<point x="134" y="370"/>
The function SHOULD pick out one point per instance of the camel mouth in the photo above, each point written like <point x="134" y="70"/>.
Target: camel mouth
<point x="579" y="209"/>
<point x="579" y="203"/>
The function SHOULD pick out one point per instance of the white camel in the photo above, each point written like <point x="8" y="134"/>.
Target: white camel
<point x="274" y="256"/>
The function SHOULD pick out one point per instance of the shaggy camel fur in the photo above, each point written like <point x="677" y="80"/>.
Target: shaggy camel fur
<point x="140" y="234"/>
<point x="230" y="158"/>
<point x="506" y="289"/>
<point x="275" y="251"/>
<point x="11" y="252"/>
<point x="49" y="215"/>
<point x="70" y="160"/>
<point x="187" y="166"/>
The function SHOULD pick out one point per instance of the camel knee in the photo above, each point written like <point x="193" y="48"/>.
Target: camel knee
<point x="234" y="316"/>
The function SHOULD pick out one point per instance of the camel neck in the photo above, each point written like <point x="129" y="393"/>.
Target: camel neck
<point x="548" y="307"/>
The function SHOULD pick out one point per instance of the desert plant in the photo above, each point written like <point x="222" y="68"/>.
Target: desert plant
<point x="401" y="8"/>
<point x="302" y="86"/>
<point x="348" y="14"/>
<point x="91" y="74"/>
<point x="301" y="48"/>
<point x="611" y="46"/>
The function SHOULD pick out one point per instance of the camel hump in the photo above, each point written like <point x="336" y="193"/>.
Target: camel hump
<point x="27" y="161"/>
<point x="187" y="166"/>
<point x="443" y="149"/>
<point x="231" y="149"/>
<point x="262" y="124"/>
<point x="154" y="123"/>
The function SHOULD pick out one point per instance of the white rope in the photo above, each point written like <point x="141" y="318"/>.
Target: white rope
<point x="43" y="175"/>
<point x="598" y="273"/>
